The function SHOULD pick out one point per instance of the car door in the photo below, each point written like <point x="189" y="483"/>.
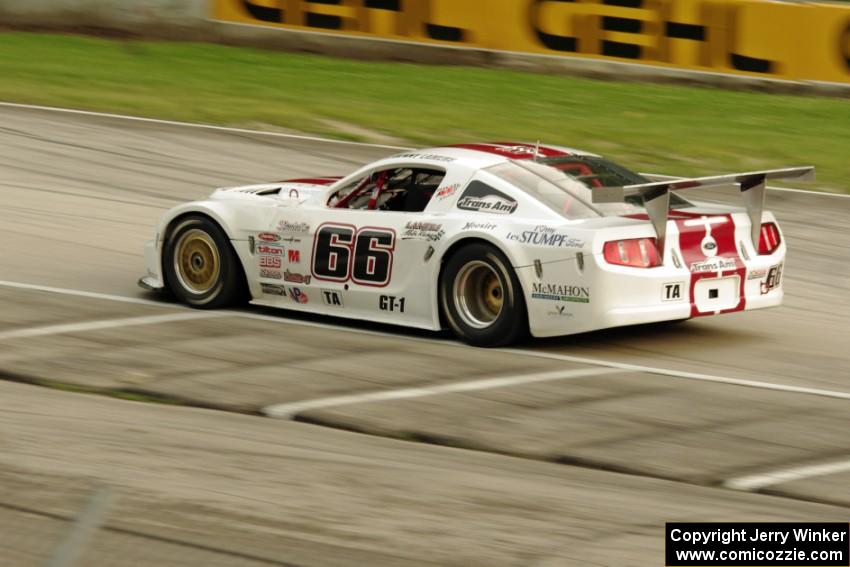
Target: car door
<point x="375" y="263"/>
<point x="368" y="262"/>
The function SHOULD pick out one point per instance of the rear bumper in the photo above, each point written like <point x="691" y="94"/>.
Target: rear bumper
<point x="602" y="296"/>
<point x="619" y="317"/>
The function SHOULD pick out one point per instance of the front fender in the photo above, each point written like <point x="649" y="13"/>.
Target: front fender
<point x="238" y="220"/>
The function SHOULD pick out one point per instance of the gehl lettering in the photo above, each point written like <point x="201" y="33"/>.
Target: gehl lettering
<point x="594" y="33"/>
<point x="844" y="47"/>
<point x="412" y="18"/>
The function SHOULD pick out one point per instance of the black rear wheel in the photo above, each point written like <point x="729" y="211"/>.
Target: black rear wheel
<point x="481" y="298"/>
<point x="201" y="267"/>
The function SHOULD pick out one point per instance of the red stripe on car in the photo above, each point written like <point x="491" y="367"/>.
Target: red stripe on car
<point x="513" y="150"/>
<point x="313" y="180"/>
<point x="709" y="250"/>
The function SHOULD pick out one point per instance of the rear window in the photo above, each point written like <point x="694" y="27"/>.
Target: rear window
<point x="594" y="171"/>
<point x="565" y="184"/>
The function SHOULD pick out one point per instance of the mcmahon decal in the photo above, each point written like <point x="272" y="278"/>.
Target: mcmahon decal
<point x="560" y="292"/>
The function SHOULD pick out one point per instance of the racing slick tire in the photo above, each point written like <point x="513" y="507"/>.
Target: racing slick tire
<point x="481" y="297"/>
<point x="201" y="268"/>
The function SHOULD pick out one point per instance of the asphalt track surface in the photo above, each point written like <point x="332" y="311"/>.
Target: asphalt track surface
<point x="395" y="447"/>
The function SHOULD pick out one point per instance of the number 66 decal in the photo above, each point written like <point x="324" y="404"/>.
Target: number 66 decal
<point x="341" y="252"/>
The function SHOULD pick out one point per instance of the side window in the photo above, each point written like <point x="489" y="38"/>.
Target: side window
<point x="404" y="189"/>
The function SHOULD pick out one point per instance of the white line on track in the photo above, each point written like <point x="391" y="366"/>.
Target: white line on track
<point x="196" y="125"/>
<point x="281" y="134"/>
<point x="290" y="410"/>
<point x="759" y="481"/>
<point x="103" y="324"/>
<point x="81" y="293"/>
<point x="764" y="385"/>
<point x="687" y="375"/>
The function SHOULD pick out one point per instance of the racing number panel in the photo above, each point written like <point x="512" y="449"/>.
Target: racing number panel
<point x="332" y="252"/>
<point x="341" y="253"/>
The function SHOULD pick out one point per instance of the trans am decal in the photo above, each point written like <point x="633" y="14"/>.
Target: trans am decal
<point x="480" y="197"/>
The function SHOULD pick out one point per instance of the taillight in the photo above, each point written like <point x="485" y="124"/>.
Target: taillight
<point x="769" y="240"/>
<point x="635" y="252"/>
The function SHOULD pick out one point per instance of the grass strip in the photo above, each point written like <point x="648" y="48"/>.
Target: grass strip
<point x="662" y="128"/>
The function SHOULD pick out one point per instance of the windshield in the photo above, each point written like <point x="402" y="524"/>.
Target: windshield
<point x="565" y="184"/>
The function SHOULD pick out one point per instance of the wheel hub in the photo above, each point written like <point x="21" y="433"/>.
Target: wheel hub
<point x="196" y="261"/>
<point x="478" y="294"/>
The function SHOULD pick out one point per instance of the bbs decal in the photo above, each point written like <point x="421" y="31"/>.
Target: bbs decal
<point x="365" y="256"/>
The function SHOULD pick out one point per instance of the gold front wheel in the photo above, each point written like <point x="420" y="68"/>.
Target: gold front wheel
<point x="201" y="266"/>
<point x="197" y="263"/>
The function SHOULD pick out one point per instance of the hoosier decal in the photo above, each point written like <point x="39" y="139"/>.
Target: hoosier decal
<point x="479" y="226"/>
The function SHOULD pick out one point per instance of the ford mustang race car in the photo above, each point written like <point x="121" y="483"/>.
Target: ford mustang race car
<point x="490" y="240"/>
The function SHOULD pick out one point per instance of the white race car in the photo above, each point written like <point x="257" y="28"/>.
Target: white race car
<point x="489" y="240"/>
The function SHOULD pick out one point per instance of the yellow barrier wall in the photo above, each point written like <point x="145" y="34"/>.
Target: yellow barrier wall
<point x="746" y="37"/>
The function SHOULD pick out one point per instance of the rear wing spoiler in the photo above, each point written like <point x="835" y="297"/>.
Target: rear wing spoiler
<point x="656" y="195"/>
